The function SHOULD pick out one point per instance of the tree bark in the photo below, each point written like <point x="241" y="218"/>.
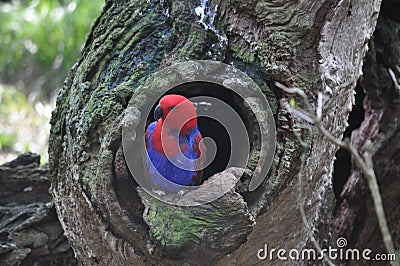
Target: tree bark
<point x="355" y="218"/>
<point x="315" y="45"/>
<point x="30" y="232"/>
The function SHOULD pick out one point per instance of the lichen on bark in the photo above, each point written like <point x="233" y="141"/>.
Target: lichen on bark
<point x="94" y="194"/>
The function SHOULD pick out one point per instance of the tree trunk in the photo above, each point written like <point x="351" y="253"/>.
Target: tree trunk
<point x="315" y="45"/>
<point x="355" y="218"/>
<point x="30" y="232"/>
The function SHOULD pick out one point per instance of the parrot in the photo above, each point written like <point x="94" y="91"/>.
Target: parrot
<point x="175" y="150"/>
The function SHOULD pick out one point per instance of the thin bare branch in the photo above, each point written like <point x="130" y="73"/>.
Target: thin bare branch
<point x="300" y="199"/>
<point x="394" y="79"/>
<point x="366" y="166"/>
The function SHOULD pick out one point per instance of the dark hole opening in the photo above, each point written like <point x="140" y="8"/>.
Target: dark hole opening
<point x="342" y="165"/>
<point x="212" y="128"/>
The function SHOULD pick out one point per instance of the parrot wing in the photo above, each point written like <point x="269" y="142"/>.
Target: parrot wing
<point x="149" y="173"/>
<point x="149" y="132"/>
<point x="200" y="149"/>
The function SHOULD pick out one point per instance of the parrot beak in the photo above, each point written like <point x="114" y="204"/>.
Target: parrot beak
<point x="158" y="112"/>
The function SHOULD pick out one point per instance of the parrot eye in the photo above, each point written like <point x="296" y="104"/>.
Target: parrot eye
<point x="172" y="108"/>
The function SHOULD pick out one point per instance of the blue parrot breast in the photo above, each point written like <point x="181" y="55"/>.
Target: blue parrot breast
<point x="160" y="167"/>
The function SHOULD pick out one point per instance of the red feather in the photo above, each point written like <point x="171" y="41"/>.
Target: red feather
<point x="200" y="150"/>
<point x="178" y="114"/>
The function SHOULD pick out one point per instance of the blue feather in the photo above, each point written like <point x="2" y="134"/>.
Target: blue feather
<point x="159" y="166"/>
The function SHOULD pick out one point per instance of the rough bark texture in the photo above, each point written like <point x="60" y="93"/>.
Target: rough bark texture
<point x="330" y="54"/>
<point x="30" y="233"/>
<point x="315" y="45"/>
<point x="355" y="218"/>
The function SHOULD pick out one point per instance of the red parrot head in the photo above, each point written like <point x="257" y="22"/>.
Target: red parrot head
<point x="177" y="113"/>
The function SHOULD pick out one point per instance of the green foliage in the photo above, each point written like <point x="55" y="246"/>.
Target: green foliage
<point x="50" y="32"/>
<point x="40" y="40"/>
<point x="293" y="102"/>
<point x="7" y="140"/>
<point x="24" y="124"/>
